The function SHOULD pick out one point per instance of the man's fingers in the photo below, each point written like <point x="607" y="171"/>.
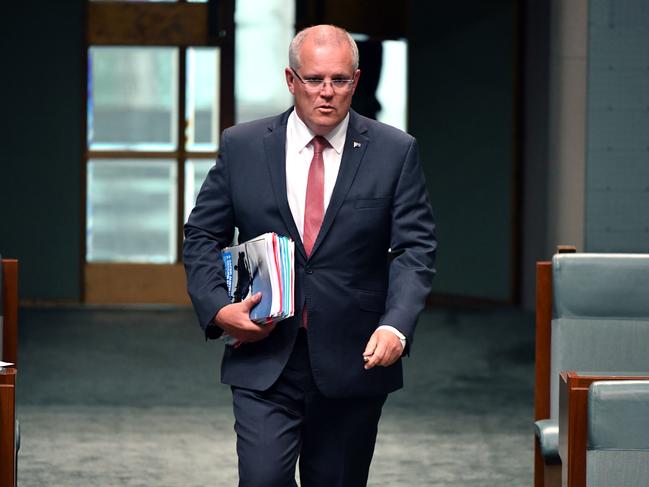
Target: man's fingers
<point x="375" y="359"/>
<point x="251" y="301"/>
<point x="235" y="320"/>
<point x="371" y="354"/>
<point x="254" y="332"/>
<point x="371" y="346"/>
<point x="386" y="350"/>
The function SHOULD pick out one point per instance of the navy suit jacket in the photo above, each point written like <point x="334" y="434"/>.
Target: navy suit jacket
<point x="371" y="264"/>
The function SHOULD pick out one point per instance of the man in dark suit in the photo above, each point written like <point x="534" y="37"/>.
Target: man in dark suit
<point x="350" y="192"/>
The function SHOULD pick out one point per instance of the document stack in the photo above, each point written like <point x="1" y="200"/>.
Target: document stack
<point x="264" y="264"/>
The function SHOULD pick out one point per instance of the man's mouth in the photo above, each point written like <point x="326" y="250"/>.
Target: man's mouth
<point x="326" y="108"/>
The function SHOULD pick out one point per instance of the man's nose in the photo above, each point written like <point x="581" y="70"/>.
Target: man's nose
<point x="327" y="90"/>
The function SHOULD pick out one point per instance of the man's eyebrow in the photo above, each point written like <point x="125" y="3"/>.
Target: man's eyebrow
<point x="321" y="76"/>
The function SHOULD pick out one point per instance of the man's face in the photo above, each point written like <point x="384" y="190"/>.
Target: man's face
<point x="322" y="109"/>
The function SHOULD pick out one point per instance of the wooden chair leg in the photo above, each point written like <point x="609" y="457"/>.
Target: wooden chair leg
<point x="545" y="475"/>
<point x="552" y="476"/>
<point x="7" y="436"/>
<point x="538" y="465"/>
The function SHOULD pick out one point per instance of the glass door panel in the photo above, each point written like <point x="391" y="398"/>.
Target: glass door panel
<point x="131" y="211"/>
<point x="160" y="88"/>
<point x="264" y="31"/>
<point x="202" y="110"/>
<point x="392" y="90"/>
<point x="132" y="98"/>
<point x="195" y="173"/>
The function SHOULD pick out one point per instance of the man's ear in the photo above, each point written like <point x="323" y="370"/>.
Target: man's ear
<point x="357" y="76"/>
<point x="290" y="80"/>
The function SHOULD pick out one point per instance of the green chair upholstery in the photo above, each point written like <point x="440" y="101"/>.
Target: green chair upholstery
<point x="600" y="322"/>
<point x="618" y="434"/>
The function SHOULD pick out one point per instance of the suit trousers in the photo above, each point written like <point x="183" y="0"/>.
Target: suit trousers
<point x="333" y="438"/>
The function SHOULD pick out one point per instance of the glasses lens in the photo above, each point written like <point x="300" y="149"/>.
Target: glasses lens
<point x="317" y="84"/>
<point x="336" y="84"/>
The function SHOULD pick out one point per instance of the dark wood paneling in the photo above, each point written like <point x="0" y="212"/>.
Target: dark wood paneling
<point x="7" y="427"/>
<point x="543" y="339"/>
<point x="226" y="70"/>
<point x="542" y="361"/>
<point x="382" y="19"/>
<point x="182" y="143"/>
<point x="10" y="307"/>
<point x="113" y="283"/>
<point x="120" y="23"/>
<point x="144" y="155"/>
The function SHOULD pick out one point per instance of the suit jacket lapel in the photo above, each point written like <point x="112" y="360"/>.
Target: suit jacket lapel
<point x="353" y="152"/>
<point x="275" y="145"/>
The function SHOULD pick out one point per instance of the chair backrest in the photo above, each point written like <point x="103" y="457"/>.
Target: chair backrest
<point x="600" y="315"/>
<point x="618" y="433"/>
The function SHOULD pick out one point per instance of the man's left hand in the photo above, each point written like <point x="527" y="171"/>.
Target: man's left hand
<point x="384" y="348"/>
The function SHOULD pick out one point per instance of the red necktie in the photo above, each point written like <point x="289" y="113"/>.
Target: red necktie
<point x="314" y="203"/>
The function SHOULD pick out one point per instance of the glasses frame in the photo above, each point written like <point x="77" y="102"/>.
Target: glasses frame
<point x="310" y="84"/>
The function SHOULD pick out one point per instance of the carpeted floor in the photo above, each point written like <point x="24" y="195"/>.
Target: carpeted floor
<point x="131" y="398"/>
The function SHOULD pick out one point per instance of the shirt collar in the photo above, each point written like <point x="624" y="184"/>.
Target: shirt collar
<point x="302" y="135"/>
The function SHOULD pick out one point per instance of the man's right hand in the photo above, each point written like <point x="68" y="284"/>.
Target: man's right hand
<point x="234" y="319"/>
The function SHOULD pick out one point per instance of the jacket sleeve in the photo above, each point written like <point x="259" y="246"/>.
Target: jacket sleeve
<point x="209" y="228"/>
<point x="413" y="245"/>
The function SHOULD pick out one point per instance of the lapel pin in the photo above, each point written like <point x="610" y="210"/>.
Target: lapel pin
<point x="356" y="144"/>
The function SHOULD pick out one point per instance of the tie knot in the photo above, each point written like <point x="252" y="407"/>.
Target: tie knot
<point x="319" y="144"/>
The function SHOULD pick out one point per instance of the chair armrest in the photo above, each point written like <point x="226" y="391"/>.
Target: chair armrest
<point x="547" y="431"/>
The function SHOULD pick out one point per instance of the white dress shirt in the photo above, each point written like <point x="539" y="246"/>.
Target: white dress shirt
<point x="299" y="153"/>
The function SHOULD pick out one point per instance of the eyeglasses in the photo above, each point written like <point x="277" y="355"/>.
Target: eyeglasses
<point x="317" y="84"/>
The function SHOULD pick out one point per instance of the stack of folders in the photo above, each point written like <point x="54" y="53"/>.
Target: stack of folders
<point x="264" y="264"/>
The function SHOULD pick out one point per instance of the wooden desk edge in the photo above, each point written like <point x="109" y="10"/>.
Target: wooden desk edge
<point x="8" y="376"/>
<point x="573" y="421"/>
